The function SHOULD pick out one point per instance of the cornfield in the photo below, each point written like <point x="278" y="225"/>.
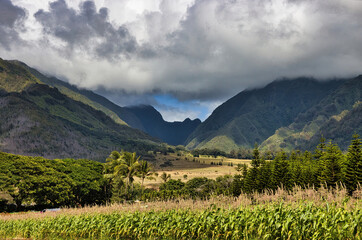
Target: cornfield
<point x="269" y="221"/>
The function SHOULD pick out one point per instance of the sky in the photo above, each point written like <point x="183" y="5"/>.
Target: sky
<point x="184" y="57"/>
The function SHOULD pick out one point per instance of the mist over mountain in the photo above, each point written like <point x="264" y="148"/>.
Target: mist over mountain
<point x="17" y="77"/>
<point x="38" y="119"/>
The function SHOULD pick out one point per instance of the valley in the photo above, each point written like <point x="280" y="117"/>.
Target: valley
<point x="162" y="119"/>
<point x="292" y="145"/>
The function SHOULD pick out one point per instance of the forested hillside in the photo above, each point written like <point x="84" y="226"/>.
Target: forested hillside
<point x="333" y="118"/>
<point x="38" y="119"/>
<point x="252" y="116"/>
<point x="42" y="121"/>
<point x="17" y="76"/>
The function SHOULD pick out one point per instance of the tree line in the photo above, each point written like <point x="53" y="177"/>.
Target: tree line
<point x="36" y="182"/>
<point x="327" y="166"/>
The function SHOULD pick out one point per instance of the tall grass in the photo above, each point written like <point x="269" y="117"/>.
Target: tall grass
<point x="300" y="214"/>
<point x="262" y="222"/>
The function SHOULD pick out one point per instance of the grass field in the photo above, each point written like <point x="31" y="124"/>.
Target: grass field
<point x="301" y="214"/>
<point x="192" y="167"/>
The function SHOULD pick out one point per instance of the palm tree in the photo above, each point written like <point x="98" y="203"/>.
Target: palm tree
<point x="121" y="166"/>
<point x="128" y="167"/>
<point x="165" y="177"/>
<point x="113" y="178"/>
<point x="145" y="171"/>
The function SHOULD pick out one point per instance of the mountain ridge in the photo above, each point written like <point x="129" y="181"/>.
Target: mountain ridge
<point x="310" y="123"/>
<point x="255" y="114"/>
<point x="121" y="115"/>
<point x="42" y="121"/>
<point x="174" y="133"/>
<point x="38" y="119"/>
<point x="286" y="113"/>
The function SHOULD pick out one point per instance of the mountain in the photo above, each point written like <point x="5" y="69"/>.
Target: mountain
<point x="340" y="128"/>
<point x="174" y="133"/>
<point x="37" y="119"/>
<point x="117" y="113"/>
<point x="334" y="118"/>
<point x="263" y="115"/>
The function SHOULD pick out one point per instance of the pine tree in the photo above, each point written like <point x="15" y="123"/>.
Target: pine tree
<point x="293" y="156"/>
<point x="236" y="186"/>
<point x="318" y="153"/>
<point x="353" y="175"/>
<point x="281" y="174"/>
<point x="250" y="181"/>
<point x="255" y="163"/>
<point x="318" y="156"/>
<point x="331" y="165"/>
<point x="264" y="176"/>
<point x="307" y="156"/>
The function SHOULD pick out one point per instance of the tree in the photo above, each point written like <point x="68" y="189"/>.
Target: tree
<point x="200" y="187"/>
<point x="281" y="174"/>
<point x="165" y="177"/>
<point x="264" y="176"/>
<point x="354" y="165"/>
<point x="236" y="185"/>
<point x="331" y="165"/>
<point x="255" y="162"/>
<point x="239" y="167"/>
<point x="115" y="180"/>
<point x="172" y="185"/>
<point x="251" y="182"/>
<point x="90" y="184"/>
<point x="51" y="188"/>
<point x="128" y="167"/>
<point x="122" y="166"/>
<point x="34" y="180"/>
<point x="145" y="171"/>
<point x="318" y="153"/>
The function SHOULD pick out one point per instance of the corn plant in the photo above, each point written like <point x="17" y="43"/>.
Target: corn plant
<point x="274" y="221"/>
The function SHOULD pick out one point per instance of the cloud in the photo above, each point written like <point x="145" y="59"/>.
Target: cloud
<point x="195" y="50"/>
<point x="177" y="114"/>
<point x="225" y="46"/>
<point x="123" y="98"/>
<point x="10" y="17"/>
<point x="87" y="29"/>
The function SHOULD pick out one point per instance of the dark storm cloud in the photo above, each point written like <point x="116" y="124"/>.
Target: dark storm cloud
<point x="10" y="16"/>
<point x="223" y="47"/>
<point x="86" y="29"/>
<point x="124" y="98"/>
<point x="194" y="50"/>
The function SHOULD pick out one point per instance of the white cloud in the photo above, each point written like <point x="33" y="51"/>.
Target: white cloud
<point x="203" y="50"/>
<point x="172" y="115"/>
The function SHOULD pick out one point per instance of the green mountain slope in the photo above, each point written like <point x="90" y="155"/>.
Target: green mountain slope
<point x="254" y="115"/>
<point x="81" y="95"/>
<point x="137" y="117"/>
<point x="338" y="128"/>
<point x="43" y="121"/>
<point x="14" y="78"/>
<point x="322" y="119"/>
<point x="37" y="119"/>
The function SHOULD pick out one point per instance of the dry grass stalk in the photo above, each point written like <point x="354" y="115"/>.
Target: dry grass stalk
<point x="319" y="197"/>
